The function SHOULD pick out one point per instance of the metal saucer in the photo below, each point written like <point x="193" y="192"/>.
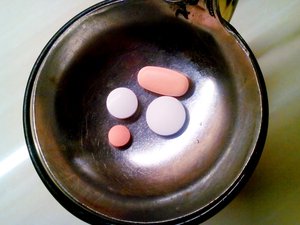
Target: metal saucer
<point x="186" y="177"/>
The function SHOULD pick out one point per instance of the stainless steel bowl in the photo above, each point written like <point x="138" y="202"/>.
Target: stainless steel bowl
<point x="184" y="178"/>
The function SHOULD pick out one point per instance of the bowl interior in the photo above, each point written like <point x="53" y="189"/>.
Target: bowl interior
<point x="156" y="178"/>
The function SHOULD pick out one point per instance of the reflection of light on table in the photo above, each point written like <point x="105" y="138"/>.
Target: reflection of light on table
<point x="13" y="160"/>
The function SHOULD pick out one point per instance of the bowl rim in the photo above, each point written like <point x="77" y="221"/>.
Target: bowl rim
<point x="90" y="216"/>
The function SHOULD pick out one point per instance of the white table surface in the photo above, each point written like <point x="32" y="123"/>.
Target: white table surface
<point x="271" y="28"/>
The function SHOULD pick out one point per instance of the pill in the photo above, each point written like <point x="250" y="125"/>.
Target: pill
<point x="119" y="136"/>
<point x="163" y="81"/>
<point x="122" y="103"/>
<point x="165" y="115"/>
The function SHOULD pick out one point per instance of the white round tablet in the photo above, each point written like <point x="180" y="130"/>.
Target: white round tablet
<point x="165" y="115"/>
<point x="122" y="103"/>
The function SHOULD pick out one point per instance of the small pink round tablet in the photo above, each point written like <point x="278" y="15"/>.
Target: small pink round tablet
<point x="119" y="136"/>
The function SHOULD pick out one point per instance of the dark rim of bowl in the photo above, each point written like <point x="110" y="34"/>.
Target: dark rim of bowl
<point x="91" y="217"/>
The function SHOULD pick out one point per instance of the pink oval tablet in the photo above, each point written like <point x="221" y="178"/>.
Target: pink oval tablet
<point x="163" y="81"/>
<point x="119" y="136"/>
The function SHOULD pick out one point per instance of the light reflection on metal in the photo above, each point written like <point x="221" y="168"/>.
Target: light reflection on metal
<point x="199" y="110"/>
